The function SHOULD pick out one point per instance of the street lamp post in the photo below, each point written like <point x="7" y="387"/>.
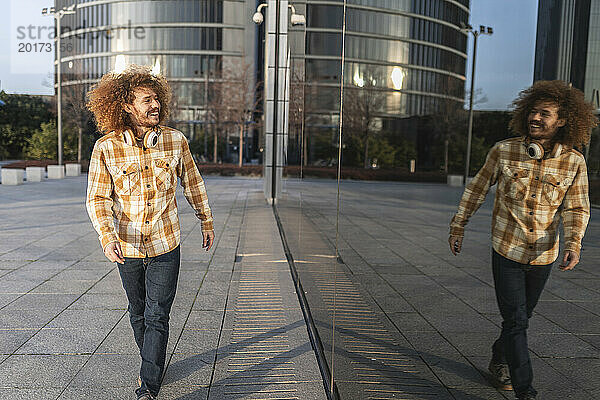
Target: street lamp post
<point x="483" y="30"/>
<point x="58" y="16"/>
<point x="276" y="89"/>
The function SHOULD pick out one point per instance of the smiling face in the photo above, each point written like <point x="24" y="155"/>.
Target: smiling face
<point x="543" y="121"/>
<point x="145" y="108"/>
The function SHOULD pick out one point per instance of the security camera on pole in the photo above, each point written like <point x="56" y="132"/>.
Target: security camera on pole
<point x="276" y="89"/>
<point x="483" y="30"/>
<point x="58" y="16"/>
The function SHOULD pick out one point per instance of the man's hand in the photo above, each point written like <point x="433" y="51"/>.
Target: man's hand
<point x="113" y="252"/>
<point x="569" y="261"/>
<point x="208" y="238"/>
<point x="455" y="243"/>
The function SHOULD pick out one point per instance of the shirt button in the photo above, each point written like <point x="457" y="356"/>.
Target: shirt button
<point x="148" y="185"/>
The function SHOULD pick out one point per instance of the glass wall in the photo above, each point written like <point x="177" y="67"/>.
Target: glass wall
<point x="345" y="230"/>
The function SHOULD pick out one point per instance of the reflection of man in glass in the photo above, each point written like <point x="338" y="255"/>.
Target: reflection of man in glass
<point x="540" y="178"/>
<point x="131" y="202"/>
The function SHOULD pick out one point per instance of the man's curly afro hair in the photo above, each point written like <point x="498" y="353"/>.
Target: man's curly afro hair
<point x="107" y="98"/>
<point x="572" y="107"/>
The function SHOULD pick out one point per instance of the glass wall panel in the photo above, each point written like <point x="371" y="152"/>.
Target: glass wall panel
<point x="347" y="237"/>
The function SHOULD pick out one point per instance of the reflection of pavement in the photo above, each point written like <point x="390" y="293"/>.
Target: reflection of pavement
<point x="237" y="330"/>
<point x="413" y="321"/>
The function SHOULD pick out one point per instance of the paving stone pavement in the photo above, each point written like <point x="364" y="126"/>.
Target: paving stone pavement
<point x="411" y="320"/>
<point x="435" y="311"/>
<point x="237" y="331"/>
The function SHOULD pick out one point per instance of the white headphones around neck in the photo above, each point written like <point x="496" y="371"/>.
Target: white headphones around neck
<point x="536" y="151"/>
<point x="150" y="137"/>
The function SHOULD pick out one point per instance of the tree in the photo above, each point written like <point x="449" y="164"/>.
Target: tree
<point x="362" y="109"/>
<point x="214" y="110"/>
<point x="43" y="144"/>
<point x="233" y="101"/>
<point x="75" y="110"/>
<point x="449" y="121"/>
<point x="11" y="140"/>
<point x="20" y="117"/>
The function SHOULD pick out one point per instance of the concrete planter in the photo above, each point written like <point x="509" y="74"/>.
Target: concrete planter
<point x="455" y="180"/>
<point x="56" y="171"/>
<point x="73" y="169"/>
<point x="12" y="176"/>
<point x="35" y="174"/>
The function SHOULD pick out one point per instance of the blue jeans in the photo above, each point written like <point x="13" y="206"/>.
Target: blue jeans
<point x="518" y="289"/>
<point x="150" y="285"/>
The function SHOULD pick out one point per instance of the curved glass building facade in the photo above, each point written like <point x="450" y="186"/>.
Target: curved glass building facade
<point x="191" y="40"/>
<point x="412" y="53"/>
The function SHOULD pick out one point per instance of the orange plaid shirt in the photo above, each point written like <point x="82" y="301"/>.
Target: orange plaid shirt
<point x="531" y="197"/>
<point x="131" y="192"/>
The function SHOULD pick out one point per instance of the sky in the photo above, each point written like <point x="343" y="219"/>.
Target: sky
<point x="504" y="60"/>
<point x="504" y="64"/>
<point x="27" y="71"/>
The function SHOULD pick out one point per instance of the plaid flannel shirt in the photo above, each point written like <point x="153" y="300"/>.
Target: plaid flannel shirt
<point x="531" y="197"/>
<point x="131" y="192"/>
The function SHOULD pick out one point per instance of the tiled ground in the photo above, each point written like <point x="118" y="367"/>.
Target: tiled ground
<point x="64" y="330"/>
<point x="396" y="263"/>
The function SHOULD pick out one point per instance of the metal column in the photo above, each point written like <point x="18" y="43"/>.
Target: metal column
<point x="276" y="97"/>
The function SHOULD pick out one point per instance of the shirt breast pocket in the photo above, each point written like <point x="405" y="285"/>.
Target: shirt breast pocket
<point x="554" y="188"/>
<point x="164" y="173"/>
<point x="126" y="179"/>
<point x="516" y="181"/>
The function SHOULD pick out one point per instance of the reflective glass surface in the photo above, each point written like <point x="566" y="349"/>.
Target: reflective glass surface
<point x="345" y="237"/>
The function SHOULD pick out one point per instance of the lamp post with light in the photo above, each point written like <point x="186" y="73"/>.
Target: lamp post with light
<point x="58" y="16"/>
<point x="276" y="89"/>
<point x="483" y="30"/>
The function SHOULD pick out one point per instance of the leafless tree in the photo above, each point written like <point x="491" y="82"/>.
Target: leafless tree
<point x="74" y="101"/>
<point x="233" y="101"/>
<point x="297" y="112"/>
<point x="449" y="115"/>
<point x="215" y="111"/>
<point x="362" y="107"/>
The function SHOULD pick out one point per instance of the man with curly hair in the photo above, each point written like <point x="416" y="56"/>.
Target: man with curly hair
<point x="541" y="178"/>
<point x="131" y="201"/>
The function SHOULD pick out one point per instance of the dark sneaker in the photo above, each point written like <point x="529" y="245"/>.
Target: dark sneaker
<point x="500" y="375"/>
<point x="527" y="396"/>
<point x="146" y="396"/>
